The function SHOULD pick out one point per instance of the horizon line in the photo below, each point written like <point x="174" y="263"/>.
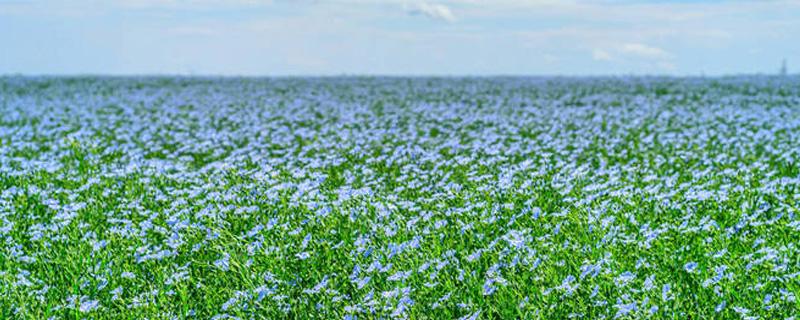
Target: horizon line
<point x="390" y="75"/>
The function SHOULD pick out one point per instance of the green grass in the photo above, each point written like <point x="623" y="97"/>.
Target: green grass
<point x="161" y="198"/>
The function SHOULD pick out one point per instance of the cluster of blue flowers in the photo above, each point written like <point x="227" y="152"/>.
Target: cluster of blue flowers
<point x="364" y="198"/>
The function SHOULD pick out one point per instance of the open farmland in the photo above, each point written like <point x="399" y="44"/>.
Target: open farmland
<point x="381" y="198"/>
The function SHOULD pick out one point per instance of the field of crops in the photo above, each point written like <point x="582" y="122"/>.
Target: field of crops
<point x="381" y="198"/>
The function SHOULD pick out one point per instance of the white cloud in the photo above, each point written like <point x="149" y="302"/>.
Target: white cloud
<point x="601" y="55"/>
<point x="435" y="11"/>
<point x="645" y="51"/>
<point x="194" y="31"/>
<point x="182" y="4"/>
<point x="646" y="56"/>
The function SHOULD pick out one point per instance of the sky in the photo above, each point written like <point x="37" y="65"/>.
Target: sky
<point x="398" y="37"/>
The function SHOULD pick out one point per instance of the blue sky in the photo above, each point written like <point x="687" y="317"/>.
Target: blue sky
<point x="398" y="37"/>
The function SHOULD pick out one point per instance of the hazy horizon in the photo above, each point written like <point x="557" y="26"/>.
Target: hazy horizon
<point x="409" y="76"/>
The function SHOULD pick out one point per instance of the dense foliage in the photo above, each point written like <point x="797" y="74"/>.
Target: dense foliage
<point x="362" y="198"/>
